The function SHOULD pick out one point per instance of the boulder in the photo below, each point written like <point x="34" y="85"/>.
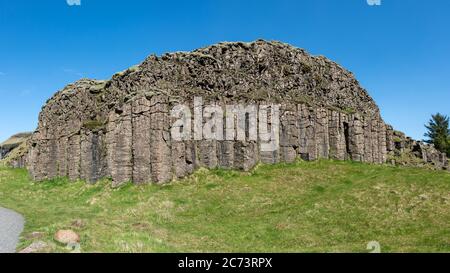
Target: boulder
<point x="66" y="237"/>
<point x="36" y="247"/>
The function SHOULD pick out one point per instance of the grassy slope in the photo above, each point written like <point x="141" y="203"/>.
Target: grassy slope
<point x="303" y="207"/>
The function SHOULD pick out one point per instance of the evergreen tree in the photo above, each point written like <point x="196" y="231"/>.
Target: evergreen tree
<point x="439" y="132"/>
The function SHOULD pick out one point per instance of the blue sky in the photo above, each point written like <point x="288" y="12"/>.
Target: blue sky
<point x="399" y="51"/>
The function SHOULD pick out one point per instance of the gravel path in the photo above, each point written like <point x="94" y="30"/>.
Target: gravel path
<point x="11" y="225"/>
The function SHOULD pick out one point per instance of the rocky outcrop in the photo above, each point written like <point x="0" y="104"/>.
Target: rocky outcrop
<point x="405" y="151"/>
<point x="11" y="143"/>
<point x="122" y="128"/>
<point x="13" y="151"/>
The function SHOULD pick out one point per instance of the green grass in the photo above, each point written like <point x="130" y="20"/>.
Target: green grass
<point x="322" y="206"/>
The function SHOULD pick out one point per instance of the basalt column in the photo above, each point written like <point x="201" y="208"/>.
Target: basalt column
<point x="119" y="140"/>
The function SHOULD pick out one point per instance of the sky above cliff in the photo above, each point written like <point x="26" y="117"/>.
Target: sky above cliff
<point x="399" y="51"/>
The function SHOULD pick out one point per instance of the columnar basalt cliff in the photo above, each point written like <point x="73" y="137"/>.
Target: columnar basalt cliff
<point x="121" y="128"/>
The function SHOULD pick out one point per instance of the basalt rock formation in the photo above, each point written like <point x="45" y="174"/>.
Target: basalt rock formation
<point x="120" y="128"/>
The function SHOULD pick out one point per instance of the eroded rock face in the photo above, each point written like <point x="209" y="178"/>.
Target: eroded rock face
<point x="121" y="128"/>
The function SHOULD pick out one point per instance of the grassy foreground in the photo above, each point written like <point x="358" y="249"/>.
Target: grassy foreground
<point x="320" y="206"/>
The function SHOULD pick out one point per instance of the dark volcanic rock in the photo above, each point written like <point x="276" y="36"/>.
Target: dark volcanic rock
<point x="121" y="128"/>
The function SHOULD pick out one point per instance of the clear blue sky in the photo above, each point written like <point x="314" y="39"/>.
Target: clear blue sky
<point x="399" y="51"/>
